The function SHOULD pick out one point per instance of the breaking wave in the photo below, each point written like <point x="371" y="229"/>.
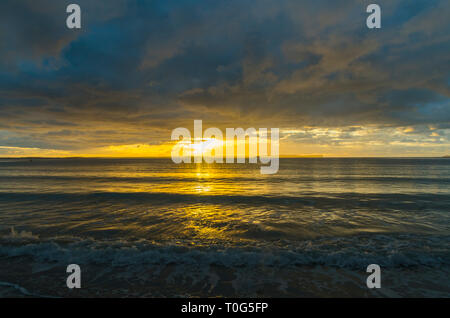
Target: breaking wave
<point x="401" y="250"/>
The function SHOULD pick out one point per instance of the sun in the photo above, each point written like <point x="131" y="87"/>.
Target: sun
<point x="204" y="147"/>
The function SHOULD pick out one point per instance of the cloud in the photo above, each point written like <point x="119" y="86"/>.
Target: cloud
<point x="138" y="69"/>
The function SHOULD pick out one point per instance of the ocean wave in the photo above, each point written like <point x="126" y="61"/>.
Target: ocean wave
<point x="20" y="235"/>
<point x="226" y="179"/>
<point x="402" y="250"/>
<point x="396" y="199"/>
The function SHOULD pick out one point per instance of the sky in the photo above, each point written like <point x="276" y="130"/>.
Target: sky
<point x="136" y="70"/>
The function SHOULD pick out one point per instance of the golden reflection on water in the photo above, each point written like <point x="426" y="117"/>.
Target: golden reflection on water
<point x="205" y="221"/>
<point x="210" y="222"/>
<point x="228" y="202"/>
<point x="199" y="178"/>
<point x="202" y="173"/>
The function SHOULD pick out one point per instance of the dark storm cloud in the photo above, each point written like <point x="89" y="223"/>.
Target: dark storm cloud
<point x="138" y="69"/>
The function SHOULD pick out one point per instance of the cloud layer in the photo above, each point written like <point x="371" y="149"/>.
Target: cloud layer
<point x="138" y="69"/>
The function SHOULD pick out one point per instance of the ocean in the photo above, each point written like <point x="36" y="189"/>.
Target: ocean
<point x="151" y="228"/>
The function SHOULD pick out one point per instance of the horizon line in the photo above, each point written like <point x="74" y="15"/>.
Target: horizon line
<point x="168" y="157"/>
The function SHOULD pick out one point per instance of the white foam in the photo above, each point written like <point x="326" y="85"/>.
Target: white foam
<point x="21" y="235"/>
